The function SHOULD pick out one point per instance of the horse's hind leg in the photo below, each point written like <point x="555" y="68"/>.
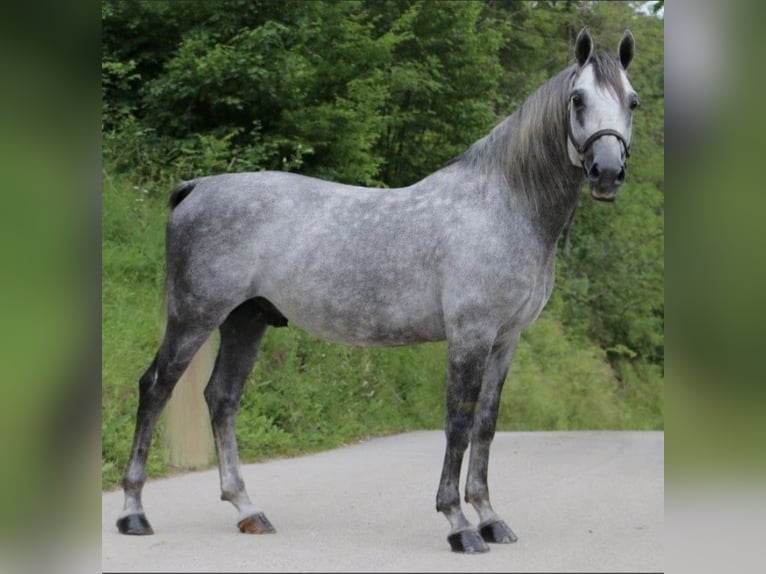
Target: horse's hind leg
<point x="491" y="527"/>
<point x="241" y="334"/>
<point x="178" y="347"/>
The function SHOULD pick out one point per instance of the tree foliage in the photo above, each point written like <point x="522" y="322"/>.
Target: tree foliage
<point x="383" y="93"/>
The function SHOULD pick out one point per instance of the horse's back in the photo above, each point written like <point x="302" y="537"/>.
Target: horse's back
<point x="249" y="187"/>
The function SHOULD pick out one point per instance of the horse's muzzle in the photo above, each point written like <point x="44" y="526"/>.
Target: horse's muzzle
<point x="605" y="180"/>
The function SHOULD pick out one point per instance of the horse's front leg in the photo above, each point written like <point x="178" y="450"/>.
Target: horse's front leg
<point x="465" y="371"/>
<point x="491" y="527"/>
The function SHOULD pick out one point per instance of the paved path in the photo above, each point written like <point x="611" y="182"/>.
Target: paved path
<point x="579" y="501"/>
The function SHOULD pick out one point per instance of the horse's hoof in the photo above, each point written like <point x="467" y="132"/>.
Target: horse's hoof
<point x="497" y="531"/>
<point x="256" y="524"/>
<point x="134" y="524"/>
<point x="467" y="541"/>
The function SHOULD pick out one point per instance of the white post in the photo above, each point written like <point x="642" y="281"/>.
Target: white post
<point x="188" y="436"/>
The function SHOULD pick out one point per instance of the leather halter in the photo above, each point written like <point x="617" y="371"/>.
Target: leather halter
<point x="583" y="148"/>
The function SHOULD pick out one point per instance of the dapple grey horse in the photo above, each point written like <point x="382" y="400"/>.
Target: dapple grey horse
<point x="467" y="254"/>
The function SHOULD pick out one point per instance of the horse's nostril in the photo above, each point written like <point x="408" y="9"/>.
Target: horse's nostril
<point x="594" y="172"/>
<point x="620" y="177"/>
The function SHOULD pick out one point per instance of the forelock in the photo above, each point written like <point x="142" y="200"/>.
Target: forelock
<point x="608" y="74"/>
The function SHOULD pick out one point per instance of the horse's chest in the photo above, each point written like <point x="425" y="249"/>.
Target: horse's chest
<point x="538" y="298"/>
<point x="531" y="294"/>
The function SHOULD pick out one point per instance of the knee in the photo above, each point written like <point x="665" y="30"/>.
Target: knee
<point x="458" y="431"/>
<point x="459" y="423"/>
<point x="484" y="433"/>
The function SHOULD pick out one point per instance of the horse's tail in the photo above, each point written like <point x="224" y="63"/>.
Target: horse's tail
<point x="182" y="190"/>
<point x="187" y="432"/>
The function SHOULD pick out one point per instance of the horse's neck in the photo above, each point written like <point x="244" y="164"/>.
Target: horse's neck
<point x="530" y="152"/>
<point x="549" y="208"/>
<point x="555" y="215"/>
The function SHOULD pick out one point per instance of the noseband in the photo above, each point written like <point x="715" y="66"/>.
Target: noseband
<point x="585" y="146"/>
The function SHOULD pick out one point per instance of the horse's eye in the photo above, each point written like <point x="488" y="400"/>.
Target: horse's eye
<point x="577" y="100"/>
<point x="633" y="103"/>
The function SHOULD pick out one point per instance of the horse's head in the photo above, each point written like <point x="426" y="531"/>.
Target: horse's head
<point x="600" y="114"/>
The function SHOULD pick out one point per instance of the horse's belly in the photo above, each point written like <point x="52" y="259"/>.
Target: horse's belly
<point x="375" y="337"/>
<point x="364" y="290"/>
<point x="370" y="325"/>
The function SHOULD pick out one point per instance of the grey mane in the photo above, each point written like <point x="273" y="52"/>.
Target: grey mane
<point x="529" y="146"/>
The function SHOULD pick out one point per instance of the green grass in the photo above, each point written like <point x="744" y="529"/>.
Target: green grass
<point x="306" y="394"/>
<point x="132" y="279"/>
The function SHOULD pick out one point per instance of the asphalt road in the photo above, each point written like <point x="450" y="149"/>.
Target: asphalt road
<point x="578" y="501"/>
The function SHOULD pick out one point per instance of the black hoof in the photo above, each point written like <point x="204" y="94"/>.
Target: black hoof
<point x="467" y="541"/>
<point x="134" y="524"/>
<point x="497" y="531"/>
<point x="256" y="524"/>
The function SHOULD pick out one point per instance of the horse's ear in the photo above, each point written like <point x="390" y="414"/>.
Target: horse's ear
<point x="626" y="49"/>
<point x="583" y="46"/>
